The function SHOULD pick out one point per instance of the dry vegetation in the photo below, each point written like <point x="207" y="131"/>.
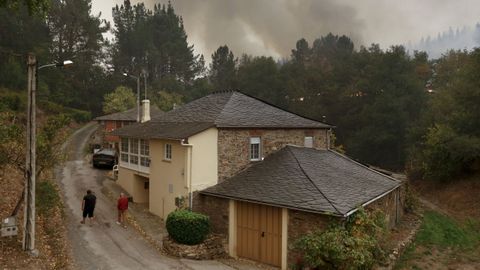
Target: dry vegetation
<point x="50" y="229"/>
<point x="449" y="237"/>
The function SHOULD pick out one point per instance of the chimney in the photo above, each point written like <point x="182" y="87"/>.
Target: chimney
<point x="145" y="111"/>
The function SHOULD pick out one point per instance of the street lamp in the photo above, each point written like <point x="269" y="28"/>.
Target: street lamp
<point x="30" y="164"/>
<point x="58" y="64"/>
<point x="138" y="92"/>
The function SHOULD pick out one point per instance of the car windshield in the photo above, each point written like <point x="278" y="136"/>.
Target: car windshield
<point x="107" y="152"/>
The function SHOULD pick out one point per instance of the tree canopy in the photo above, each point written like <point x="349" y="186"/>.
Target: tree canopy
<point x="391" y="108"/>
<point x="121" y="99"/>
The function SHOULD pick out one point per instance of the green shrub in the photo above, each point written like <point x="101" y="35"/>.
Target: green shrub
<point x="77" y="115"/>
<point x="51" y="107"/>
<point x="186" y="227"/>
<point x="354" y="245"/>
<point x="47" y="197"/>
<point x="80" y="116"/>
<point x="10" y="100"/>
<point x="448" y="154"/>
<point x="411" y="199"/>
<point x="443" y="231"/>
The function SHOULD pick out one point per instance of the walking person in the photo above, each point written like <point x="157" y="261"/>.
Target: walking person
<point x="88" y="206"/>
<point x="122" y="206"/>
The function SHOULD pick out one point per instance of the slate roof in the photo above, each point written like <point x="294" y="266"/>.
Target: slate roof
<point x="129" y="115"/>
<point x="307" y="179"/>
<point x="162" y="130"/>
<point x="236" y="110"/>
<point x="222" y="110"/>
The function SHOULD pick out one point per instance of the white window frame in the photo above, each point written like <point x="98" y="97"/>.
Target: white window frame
<point x="255" y="142"/>
<point x="124" y="143"/>
<point x="135" y="154"/>
<point x="144" y="153"/>
<point x="167" y="153"/>
<point x="134" y="149"/>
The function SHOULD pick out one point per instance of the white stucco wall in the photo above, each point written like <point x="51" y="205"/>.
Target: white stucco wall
<point x="134" y="183"/>
<point x="167" y="177"/>
<point x="204" y="159"/>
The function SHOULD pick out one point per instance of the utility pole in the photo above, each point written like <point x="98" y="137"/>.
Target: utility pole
<point x="138" y="92"/>
<point x="30" y="170"/>
<point x="145" y="82"/>
<point x="28" y="243"/>
<point x="138" y="99"/>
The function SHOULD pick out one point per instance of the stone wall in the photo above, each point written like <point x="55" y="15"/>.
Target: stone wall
<point x="392" y="205"/>
<point x="301" y="223"/>
<point x="216" y="208"/>
<point x="234" y="144"/>
<point x="214" y="247"/>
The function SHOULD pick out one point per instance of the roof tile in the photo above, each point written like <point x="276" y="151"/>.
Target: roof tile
<point x="307" y="179"/>
<point x="129" y="115"/>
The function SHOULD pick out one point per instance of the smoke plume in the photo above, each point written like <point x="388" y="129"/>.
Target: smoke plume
<point x="271" y="27"/>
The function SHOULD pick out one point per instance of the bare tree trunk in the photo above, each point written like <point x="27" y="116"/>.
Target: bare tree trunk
<point x="19" y="204"/>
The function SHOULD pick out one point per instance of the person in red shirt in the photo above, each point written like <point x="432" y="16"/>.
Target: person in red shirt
<point x="122" y="206"/>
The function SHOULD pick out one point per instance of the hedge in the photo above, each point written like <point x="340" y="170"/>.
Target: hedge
<point x="186" y="227"/>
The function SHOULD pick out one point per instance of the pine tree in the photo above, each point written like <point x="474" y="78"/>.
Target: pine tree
<point x="223" y="69"/>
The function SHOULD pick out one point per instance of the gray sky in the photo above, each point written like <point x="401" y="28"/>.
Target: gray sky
<point x="271" y="27"/>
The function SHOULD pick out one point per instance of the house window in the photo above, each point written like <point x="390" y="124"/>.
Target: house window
<point x="168" y="151"/>
<point x="124" y="157"/>
<point x="134" y="151"/>
<point x="124" y="150"/>
<point x="255" y="148"/>
<point x="133" y="159"/>
<point x="308" y="141"/>
<point x="144" y="148"/>
<point x="144" y="153"/>
<point x="118" y="124"/>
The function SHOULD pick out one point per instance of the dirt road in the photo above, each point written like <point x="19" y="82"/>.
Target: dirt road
<point x="105" y="245"/>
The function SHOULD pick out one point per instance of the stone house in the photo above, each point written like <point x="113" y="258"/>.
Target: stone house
<point x="265" y="176"/>
<point x="113" y="121"/>
<point x="265" y="208"/>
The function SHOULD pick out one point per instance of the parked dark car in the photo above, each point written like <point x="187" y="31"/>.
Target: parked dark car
<point x="106" y="157"/>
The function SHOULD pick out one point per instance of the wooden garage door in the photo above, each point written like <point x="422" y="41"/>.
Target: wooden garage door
<point x="259" y="233"/>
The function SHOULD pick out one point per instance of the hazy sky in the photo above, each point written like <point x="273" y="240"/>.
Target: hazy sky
<point x="271" y="27"/>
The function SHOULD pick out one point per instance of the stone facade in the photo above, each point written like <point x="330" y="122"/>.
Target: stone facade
<point x="392" y="205"/>
<point x="301" y="223"/>
<point x="214" y="247"/>
<point x="234" y="145"/>
<point x="216" y="208"/>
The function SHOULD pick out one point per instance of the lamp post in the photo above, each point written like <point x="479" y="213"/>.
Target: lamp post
<point x="138" y="92"/>
<point x="30" y="164"/>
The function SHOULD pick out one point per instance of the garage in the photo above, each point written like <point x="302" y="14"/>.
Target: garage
<point x="292" y="192"/>
<point x="259" y="232"/>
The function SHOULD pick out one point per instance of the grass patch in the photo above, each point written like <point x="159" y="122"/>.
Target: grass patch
<point x="443" y="232"/>
<point x="445" y="235"/>
<point x="407" y="255"/>
<point x="47" y="197"/>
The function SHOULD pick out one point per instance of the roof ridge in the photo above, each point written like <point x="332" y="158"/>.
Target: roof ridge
<point x="311" y="181"/>
<point x="224" y="105"/>
<point x="222" y="92"/>
<point x="284" y="109"/>
<point x="362" y="165"/>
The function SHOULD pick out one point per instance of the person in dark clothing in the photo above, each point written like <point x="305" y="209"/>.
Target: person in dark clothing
<point x="88" y="206"/>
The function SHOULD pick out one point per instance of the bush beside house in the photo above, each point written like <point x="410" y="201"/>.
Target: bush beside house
<point x="187" y="227"/>
<point x="189" y="237"/>
<point x="352" y="245"/>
